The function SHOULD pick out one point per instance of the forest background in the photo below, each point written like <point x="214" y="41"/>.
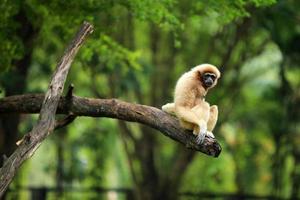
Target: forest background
<point x="137" y="52"/>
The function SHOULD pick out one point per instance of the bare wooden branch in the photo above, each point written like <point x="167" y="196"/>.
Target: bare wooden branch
<point x="46" y="121"/>
<point x="64" y="122"/>
<point x="69" y="94"/>
<point x="113" y="108"/>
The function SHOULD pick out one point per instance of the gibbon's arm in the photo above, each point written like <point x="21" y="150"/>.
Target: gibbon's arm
<point x="169" y="108"/>
<point x="187" y="115"/>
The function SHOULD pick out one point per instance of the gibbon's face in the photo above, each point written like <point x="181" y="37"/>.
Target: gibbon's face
<point x="208" y="79"/>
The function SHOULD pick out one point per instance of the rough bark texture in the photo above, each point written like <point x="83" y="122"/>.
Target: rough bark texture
<point x="113" y="108"/>
<point x="46" y="121"/>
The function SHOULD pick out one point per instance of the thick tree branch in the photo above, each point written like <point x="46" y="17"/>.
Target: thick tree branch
<point x="113" y="108"/>
<point x="46" y="121"/>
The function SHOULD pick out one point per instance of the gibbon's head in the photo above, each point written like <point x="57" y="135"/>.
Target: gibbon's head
<point x="207" y="74"/>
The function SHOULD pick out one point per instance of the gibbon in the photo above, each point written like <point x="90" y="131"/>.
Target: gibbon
<point x="190" y="107"/>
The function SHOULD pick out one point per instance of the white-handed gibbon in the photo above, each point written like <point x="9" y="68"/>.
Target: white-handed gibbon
<point x="190" y="107"/>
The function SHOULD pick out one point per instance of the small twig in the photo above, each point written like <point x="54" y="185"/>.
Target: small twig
<point x="70" y="117"/>
<point x="69" y="94"/>
<point x="64" y="122"/>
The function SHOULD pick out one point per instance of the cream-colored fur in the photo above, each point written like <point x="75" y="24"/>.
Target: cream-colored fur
<point x="189" y="105"/>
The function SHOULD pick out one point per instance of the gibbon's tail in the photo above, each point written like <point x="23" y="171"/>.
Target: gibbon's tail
<point x="169" y="108"/>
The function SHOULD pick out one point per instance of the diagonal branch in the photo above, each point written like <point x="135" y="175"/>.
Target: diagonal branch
<point x="46" y="121"/>
<point x="113" y="108"/>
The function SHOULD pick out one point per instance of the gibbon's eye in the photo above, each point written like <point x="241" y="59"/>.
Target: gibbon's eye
<point x="210" y="75"/>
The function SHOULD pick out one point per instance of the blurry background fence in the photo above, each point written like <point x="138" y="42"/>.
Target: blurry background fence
<point x="49" y="193"/>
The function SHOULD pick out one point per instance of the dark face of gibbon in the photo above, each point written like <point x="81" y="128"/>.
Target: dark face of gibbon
<point x="208" y="79"/>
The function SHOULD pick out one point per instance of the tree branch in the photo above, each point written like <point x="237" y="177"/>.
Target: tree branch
<point x="64" y="122"/>
<point x="46" y="121"/>
<point x="113" y="108"/>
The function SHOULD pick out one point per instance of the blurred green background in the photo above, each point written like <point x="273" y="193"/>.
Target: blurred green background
<point x="137" y="52"/>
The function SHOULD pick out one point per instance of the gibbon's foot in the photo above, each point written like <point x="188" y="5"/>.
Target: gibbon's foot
<point x="200" y="138"/>
<point x="210" y="134"/>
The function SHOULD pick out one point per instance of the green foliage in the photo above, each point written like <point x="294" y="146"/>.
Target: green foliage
<point x="159" y="12"/>
<point x="10" y="46"/>
<point x="111" y="54"/>
<point x="138" y="50"/>
<point x="227" y="11"/>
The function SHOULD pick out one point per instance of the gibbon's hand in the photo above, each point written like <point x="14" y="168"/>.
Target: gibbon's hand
<point x="202" y="133"/>
<point x="200" y="138"/>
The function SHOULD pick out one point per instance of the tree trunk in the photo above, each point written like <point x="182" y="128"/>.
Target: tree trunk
<point x="60" y="137"/>
<point x="296" y="175"/>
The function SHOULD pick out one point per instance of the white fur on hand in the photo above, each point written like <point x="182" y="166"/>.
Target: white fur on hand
<point x="201" y="134"/>
<point x="200" y="138"/>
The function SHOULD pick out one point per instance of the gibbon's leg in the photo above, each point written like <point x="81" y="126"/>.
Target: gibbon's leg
<point x="187" y="118"/>
<point x="202" y="112"/>
<point x="213" y="118"/>
<point x="186" y="115"/>
<point x="186" y="125"/>
<point x="170" y="108"/>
